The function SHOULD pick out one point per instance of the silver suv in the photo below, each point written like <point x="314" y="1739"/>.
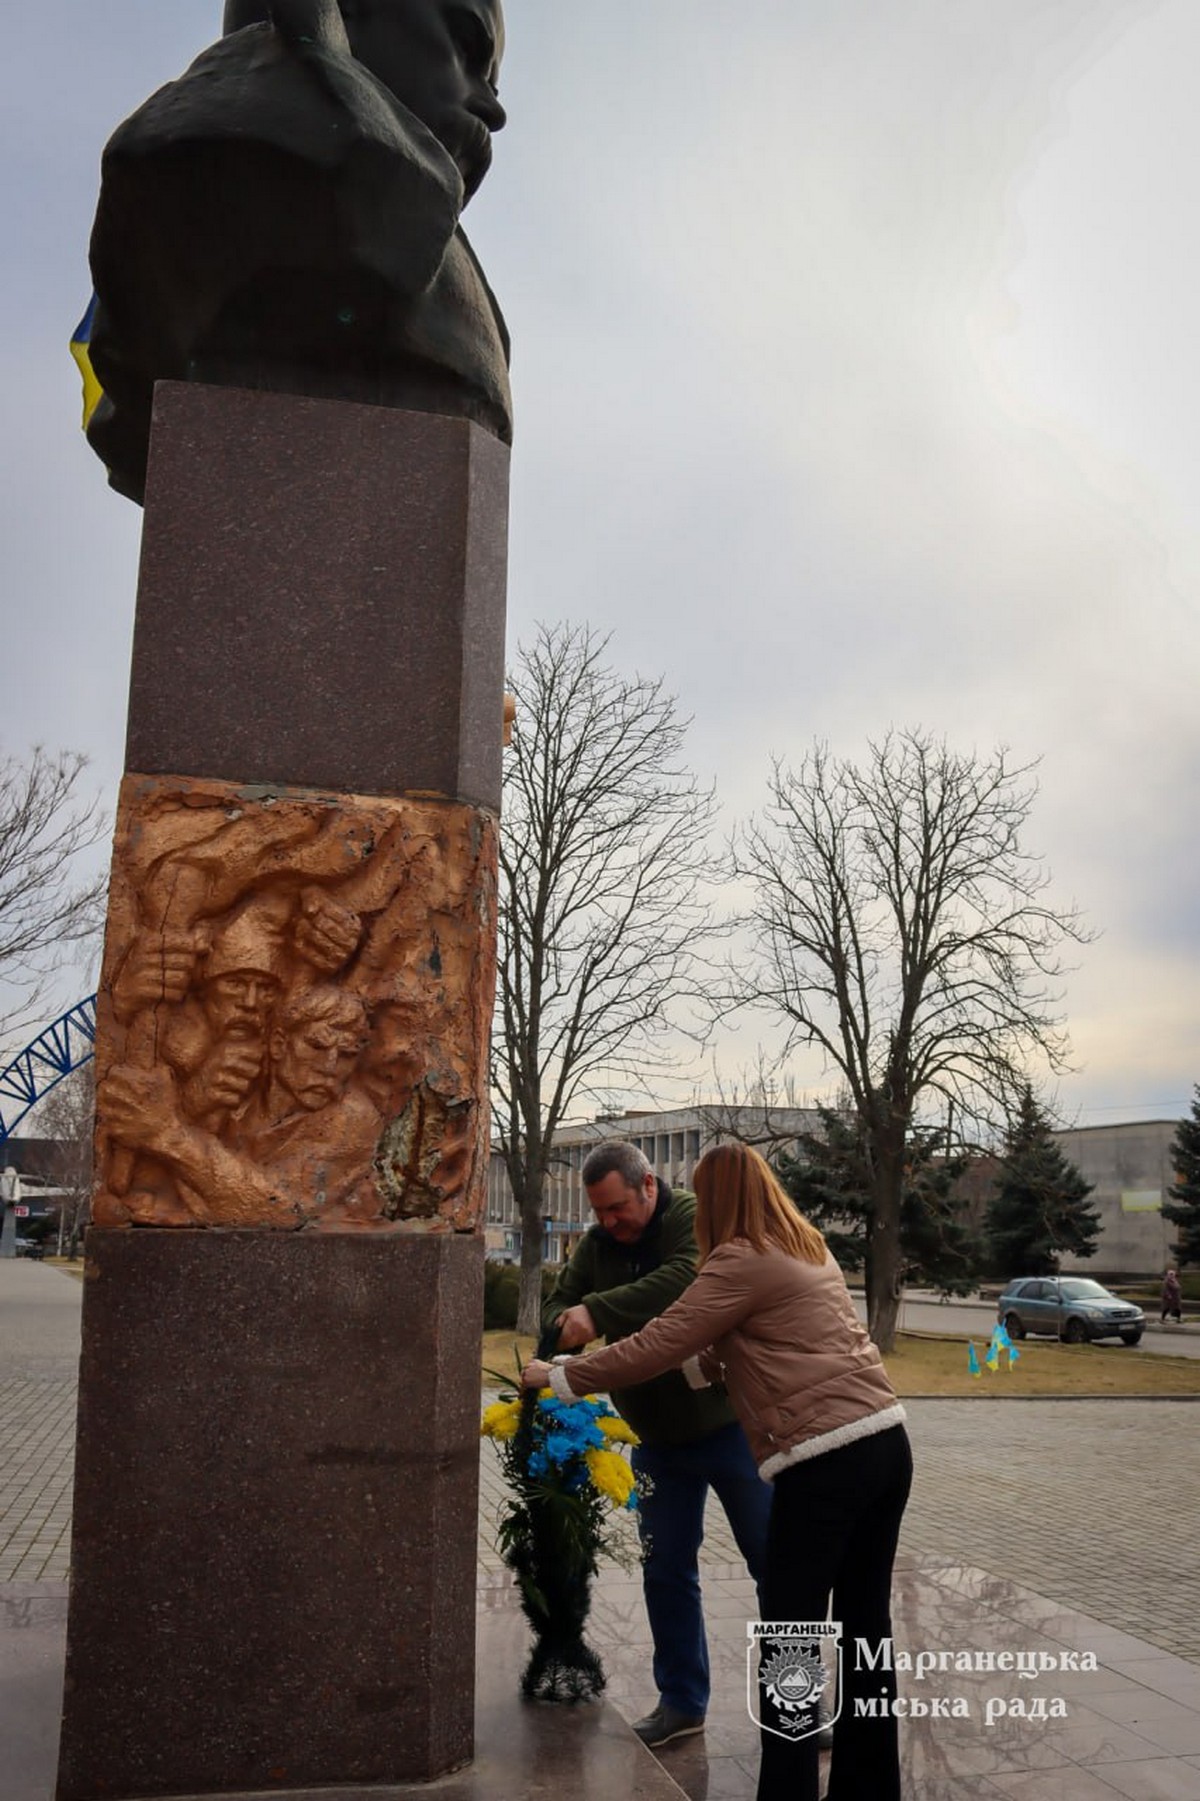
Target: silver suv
<point x="1070" y="1307"/>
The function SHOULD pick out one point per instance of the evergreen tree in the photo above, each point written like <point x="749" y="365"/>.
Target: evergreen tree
<point x="1185" y="1154"/>
<point x="830" y="1179"/>
<point x="1040" y="1207"/>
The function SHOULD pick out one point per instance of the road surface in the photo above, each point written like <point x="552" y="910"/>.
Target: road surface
<point x="973" y="1319"/>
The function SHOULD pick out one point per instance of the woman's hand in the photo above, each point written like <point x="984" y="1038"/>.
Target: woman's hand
<point x="536" y="1374"/>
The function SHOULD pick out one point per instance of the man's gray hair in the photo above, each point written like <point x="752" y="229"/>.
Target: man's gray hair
<point x="616" y="1154"/>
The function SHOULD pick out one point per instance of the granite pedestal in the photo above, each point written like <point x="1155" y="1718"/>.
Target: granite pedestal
<point x="276" y="1480"/>
<point x="524" y="1751"/>
<point x="276" y="1487"/>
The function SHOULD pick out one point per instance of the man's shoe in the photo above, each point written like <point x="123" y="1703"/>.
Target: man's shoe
<point x="666" y="1723"/>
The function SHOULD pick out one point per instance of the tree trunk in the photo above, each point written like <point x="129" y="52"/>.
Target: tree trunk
<point x="883" y="1260"/>
<point x="79" y="1221"/>
<point x="529" y="1306"/>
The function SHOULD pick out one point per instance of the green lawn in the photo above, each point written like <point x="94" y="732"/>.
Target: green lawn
<point x="923" y="1364"/>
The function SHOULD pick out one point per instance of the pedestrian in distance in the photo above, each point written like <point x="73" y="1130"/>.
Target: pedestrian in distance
<point x="1172" y="1296"/>
<point x="770" y="1315"/>
<point x="638" y="1257"/>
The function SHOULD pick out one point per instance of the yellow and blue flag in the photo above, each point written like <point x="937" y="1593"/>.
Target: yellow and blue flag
<point x="972" y="1360"/>
<point x="81" y="350"/>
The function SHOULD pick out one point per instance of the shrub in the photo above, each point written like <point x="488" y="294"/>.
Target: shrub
<point x="501" y="1284"/>
<point x="501" y="1292"/>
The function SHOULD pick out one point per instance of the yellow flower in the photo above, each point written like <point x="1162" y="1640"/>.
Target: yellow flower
<point x="620" y="1430"/>
<point x="610" y="1474"/>
<point x="500" y="1420"/>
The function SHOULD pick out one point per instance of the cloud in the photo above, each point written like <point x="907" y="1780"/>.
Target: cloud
<point x="855" y="385"/>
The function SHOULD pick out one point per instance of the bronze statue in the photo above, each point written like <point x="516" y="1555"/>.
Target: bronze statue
<point x="285" y="216"/>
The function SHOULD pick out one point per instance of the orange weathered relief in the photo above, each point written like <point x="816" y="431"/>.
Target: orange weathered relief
<point x="293" y="1015"/>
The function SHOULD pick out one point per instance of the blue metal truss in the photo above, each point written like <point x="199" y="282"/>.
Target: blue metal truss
<point x="41" y="1066"/>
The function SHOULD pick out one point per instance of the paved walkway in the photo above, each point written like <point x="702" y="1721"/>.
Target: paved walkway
<point x="1036" y="1526"/>
<point x="39" y="1356"/>
<point x="1045" y="1527"/>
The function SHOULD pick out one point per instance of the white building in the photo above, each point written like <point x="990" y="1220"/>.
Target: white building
<point x="672" y="1141"/>
<point x="1130" y="1169"/>
<point x="1128" y="1165"/>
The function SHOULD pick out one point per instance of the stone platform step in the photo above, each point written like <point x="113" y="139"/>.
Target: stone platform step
<point x="523" y="1751"/>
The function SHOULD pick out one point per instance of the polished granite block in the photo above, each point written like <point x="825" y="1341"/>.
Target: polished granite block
<point x="321" y="598"/>
<point x="273" y="1568"/>
<point x="1140" y="1718"/>
<point x="523" y="1751"/>
<point x="1111" y="1745"/>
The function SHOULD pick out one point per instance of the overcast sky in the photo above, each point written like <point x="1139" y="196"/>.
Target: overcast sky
<point x="857" y="383"/>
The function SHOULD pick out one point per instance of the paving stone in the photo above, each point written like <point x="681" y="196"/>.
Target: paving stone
<point x="1031" y="1525"/>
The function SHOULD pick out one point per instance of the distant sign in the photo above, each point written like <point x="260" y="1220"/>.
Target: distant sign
<point x="1141" y="1200"/>
<point x="21" y="1212"/>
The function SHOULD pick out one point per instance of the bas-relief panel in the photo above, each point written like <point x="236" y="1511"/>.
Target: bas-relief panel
<point x="294" y="1010"/>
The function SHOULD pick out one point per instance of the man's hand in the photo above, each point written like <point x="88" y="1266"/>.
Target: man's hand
<point x="575" y="1327"/>
<point x="327" y="933"/>
<point x="159" y="969"/>
<point x="224" y="1079"/>
<point x="536" y="1374"/>
<point x="138" y="1107"/>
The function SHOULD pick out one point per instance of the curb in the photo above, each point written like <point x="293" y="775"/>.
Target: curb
<point x="985" y="1395"/>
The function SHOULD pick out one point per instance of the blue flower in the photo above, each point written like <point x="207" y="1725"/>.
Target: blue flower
<point x="561" y="1447"/>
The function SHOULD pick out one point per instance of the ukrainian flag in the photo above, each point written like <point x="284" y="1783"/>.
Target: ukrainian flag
<point x="81" y="342"/>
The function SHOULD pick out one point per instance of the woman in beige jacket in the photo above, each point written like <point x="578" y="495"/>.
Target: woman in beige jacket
<point x="770" y="1316"/>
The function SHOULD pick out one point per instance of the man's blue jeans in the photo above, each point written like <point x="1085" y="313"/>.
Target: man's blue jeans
<point x="671" y="1519"/>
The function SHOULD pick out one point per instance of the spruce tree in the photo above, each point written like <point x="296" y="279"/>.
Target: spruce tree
<point x="1185" y="1156"/>
<point x="1039" y="1209"/>
<point x="830" y="1179"/>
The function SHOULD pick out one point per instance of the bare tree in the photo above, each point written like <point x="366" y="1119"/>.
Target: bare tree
<point x="604" y="916"/>
<point x="46" y="912"/>
<point x="761" y="1107"/>
<point x="67" y="1116"/>
<point x="901" y="928"/>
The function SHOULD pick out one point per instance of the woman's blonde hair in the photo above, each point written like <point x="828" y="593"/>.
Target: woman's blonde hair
<point x="739" y="1196"/>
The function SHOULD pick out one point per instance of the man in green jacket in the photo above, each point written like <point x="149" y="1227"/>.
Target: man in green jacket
<point x="635" y="1260"/>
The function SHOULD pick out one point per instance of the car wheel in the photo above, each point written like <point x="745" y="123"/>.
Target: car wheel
<point x="1131" y="1338"/>
<point x="1013" y="1326"/>
<point x="1075" y="1332"/>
